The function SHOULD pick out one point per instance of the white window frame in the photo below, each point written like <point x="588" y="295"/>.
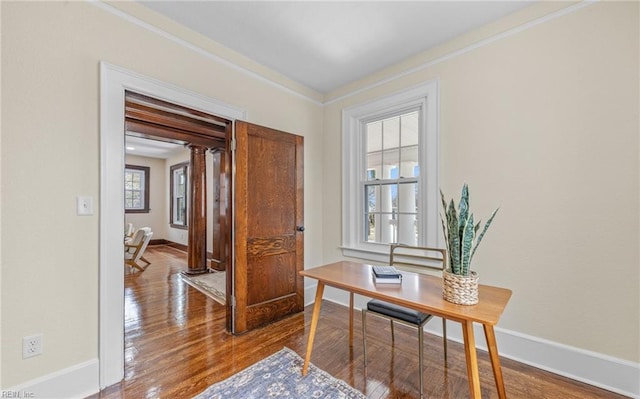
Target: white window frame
<point x="425" y="97"/>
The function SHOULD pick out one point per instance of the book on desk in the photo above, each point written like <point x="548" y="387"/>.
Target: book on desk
<point x="386" y="275"/>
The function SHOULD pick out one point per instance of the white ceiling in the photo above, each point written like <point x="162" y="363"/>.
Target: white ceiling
<point x="151" y="148"/>
<point x="325" y="45"/>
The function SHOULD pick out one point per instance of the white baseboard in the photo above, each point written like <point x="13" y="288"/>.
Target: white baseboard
<point x="603" y="371"/>
<point x="78" y="381"/>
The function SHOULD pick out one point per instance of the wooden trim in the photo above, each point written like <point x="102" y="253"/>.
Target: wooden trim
<point x="146" y="129"/>
<point x="139" y="112"/>
<point x="159" y="241"/>
<point x="173" y="168"/>
<point x="133" y="99"/>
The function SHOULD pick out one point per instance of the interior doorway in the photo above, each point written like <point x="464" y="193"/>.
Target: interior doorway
<point x="264" y="169"/>
<point x="197" y="173"/>
<point x="114" y="82"/>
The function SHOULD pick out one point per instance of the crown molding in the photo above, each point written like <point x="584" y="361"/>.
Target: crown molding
<point x="199" y="50"/>
<point x="255" y="75"/>
<point x="466" y="49"/>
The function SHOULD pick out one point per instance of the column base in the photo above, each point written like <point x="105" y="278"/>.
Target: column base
<point x="194" y="272"/>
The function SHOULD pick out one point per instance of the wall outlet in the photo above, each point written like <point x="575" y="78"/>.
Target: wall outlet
<point x="31" y="346"/>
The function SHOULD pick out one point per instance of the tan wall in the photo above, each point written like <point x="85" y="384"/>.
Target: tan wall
<point x="544" y="124"/>
<point x="51" y="154"/>
<point x="156" y="218"/>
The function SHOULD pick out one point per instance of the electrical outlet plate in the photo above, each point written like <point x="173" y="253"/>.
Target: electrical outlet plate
<point x="31" y="346"/>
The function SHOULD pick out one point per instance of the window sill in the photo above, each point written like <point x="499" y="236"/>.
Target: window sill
<point x="137" y="210"/>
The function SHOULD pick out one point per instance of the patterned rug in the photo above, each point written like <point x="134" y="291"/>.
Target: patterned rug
<point x="280" y="376"/>
<point x="211" y="284"/>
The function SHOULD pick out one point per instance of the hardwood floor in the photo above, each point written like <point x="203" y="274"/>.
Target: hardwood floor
<point x="176" y="346"/>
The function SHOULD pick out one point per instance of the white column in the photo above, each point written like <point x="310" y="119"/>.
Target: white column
<point x="407" y="203"/>
<point x="386" y="225"/>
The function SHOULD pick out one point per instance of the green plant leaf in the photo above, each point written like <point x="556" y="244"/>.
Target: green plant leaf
<point x="446" y="235"/>
<point x="486" y="226"/>
<point x="454" y="238"/>
<point x="467" y="245"/>
<point x="464" y="209"/>
<point x="445" y="223"/>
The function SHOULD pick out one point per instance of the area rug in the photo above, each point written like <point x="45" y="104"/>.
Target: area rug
<point x="280" y="376"/>
<point x="211" y="284"/>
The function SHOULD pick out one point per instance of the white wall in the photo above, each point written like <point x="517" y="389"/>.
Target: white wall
<point x="543" y="123"/>
<point x="157" y="216"/>
<point x="51" y="154"/>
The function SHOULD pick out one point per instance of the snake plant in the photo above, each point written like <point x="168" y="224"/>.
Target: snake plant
<point x="460" y="233"/>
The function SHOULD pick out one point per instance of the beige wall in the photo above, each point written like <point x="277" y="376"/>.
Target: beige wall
<point x="50" y="155"/>
<point x="545" y="124"/>
<point x="157" y="216"/>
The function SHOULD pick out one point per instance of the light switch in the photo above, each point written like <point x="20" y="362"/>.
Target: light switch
<point x="84" y="206"/>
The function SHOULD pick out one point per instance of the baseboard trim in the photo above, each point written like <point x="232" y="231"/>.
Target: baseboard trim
<point x="603" y="371"/>
<point x="78" y="381"/>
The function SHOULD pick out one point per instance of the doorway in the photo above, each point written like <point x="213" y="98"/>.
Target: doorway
<point x="196" y="179"/>
<point x="114" y="82"/>
<point x="266" y="212"/>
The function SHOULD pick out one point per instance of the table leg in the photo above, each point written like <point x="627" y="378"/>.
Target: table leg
<point x="495" y="359"/>
<point x="314" y="323"/>
<point x="350" y="318"/>
<point x="472" y="359"/>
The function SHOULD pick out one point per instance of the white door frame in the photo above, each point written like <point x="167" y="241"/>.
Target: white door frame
<point x="113" y="82"/>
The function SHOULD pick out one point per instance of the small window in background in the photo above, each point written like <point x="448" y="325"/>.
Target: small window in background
<point x="178" y="187"/>
<point x="136" y="189"/>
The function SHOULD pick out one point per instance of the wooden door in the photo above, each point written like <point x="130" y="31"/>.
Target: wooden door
<point x="268" y="226"/>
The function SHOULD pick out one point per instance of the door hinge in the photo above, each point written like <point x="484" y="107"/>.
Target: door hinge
<point x="233" y="300"/>
<point x="233" y="144"/>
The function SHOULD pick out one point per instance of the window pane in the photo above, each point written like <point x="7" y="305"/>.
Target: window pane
<point x="409" y="161"/>
<point x="372" y="195"/>
<point x="407" y="198"/>
<point x="391" y="133"/>
<point x="374" y="150"/>
<point x="374" y="136"/>
<point x="390" y="167"/>
<point x="407" y="232"/>
<point x="409" y="129"/>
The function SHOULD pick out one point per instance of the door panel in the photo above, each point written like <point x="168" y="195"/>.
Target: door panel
<point x="268" y="249"/>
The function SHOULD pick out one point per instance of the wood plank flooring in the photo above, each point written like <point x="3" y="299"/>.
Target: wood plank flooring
<point x="176" y="346"/>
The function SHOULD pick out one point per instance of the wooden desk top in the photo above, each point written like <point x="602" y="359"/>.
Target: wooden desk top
<point x="417" y="291"/>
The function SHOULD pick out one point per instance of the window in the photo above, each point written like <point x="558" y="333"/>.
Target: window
<point x="178" y="186"/>
<point x="390" y="187"/>
<point x="136" y="189"/>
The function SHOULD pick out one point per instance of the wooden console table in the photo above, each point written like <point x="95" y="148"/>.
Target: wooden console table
<point x="423" y="293"/>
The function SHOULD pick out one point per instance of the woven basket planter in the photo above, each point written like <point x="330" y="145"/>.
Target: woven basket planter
<point x="462" y="290"/>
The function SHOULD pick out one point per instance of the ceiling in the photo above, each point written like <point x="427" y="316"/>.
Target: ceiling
<point x="150" y="148"/>
<point x="325" y="45"/>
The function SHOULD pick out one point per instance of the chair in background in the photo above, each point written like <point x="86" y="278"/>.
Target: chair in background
<point x="128" y="232"/>
<point x="134" y="249"/>
<point x="420" y="259"/>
